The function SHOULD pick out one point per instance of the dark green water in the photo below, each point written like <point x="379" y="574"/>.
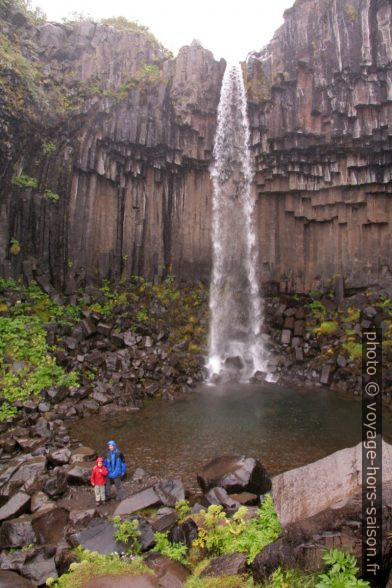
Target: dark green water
<point x="283" y="428"/>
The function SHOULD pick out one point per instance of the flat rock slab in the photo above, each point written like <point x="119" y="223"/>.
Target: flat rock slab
<point x="17" y="532"/>
<point x="226" y="565"/>
<point x="303" y="492"/>
<point x="98" y="536"/>
<point x="49" y="524"/>
<point x="123" y="581"/>
<point x="144" y="499"/>
<point x="18" y="504"/>
<point x="13" y="580"/>
<point x="170" y="491"/>
<point x="234" y="473"/>
<point x="171" y="574"/>
<point x="82" y="454"/>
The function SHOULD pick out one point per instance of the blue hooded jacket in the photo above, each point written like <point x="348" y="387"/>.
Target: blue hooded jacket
<point x="115" y="465"/>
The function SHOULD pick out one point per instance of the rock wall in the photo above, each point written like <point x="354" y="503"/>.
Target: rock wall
<point x="130" y="132"/>
<point x="321" y="110"/>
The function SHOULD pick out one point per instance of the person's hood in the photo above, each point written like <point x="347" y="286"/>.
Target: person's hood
<point x="99" y="458"/>
<point x="112" y="443"/>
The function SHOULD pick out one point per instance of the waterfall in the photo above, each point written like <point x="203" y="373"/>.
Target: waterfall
<point x="235" y="344"/>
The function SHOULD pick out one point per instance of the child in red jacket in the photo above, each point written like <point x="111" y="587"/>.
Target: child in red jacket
<point x="98" y="480"/>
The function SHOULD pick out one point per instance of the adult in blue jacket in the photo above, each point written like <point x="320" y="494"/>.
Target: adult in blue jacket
<point x="116" y="467"/>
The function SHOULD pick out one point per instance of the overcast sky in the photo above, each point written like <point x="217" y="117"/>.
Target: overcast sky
<point x="229" y="30"/>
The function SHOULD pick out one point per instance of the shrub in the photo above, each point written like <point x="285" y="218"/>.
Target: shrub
<point x="14" y="246"/>
<point x="91" y="564"/>
<point x="326" y="328"/>
<point x="24" y="181"/>
<point x="127" y="532"/>
<point x="342" y="572"/>
<point x="176" y="551"/>
<point x="52" y="196"/>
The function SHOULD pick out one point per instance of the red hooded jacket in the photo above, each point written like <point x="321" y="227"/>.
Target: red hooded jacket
<point x="99" y="473"/>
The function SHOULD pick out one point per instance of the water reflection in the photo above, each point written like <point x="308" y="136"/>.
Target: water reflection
<point x="283" y="428"/>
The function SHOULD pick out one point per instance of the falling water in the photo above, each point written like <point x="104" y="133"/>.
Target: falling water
<point x="235" y="345"/>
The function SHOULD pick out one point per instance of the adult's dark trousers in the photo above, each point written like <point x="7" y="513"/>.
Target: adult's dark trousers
<point x="119" y="488"/>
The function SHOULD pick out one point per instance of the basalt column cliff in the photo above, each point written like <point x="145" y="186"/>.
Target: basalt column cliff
<point x="321" y="111"/>
<point x="106" y="144"/>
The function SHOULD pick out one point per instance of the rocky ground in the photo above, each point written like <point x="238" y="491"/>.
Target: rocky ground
<point x="125" y="344"/>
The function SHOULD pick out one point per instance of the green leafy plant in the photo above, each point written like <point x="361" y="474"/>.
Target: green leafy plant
<point x="49" y="147"/>
<point x="127" y="532"/>
<point x="14" y="246"/>
<point x="183" y="508"/>
<point x="52" y="196"/>
<point x="176" y="551"/>
<point x="318" y="309"/>
<point x="142" y="315"/>
<point x="23" y="181"/>
<point x="342" y="573"/>
<point x="290" y="579"/>
<point x="219" y="535"/>
<point x="326" y="328"/>
<point x="91" y="564"/>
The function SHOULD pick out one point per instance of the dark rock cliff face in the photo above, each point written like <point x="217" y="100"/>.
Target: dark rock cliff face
<point x="123" y="134"/>
<point x="321" y="112"/>
<point x="126" y="142"/>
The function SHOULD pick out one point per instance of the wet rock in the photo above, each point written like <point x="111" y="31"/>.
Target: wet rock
<point x="219" y="496"/>
<point x="146" y="537"/>
<point x="59" y="456"/>
<point x="170" y="491"/>
<point x="82" y="454"/>
<point x="98" y="536"/>
<point x="40" y="565"/>
<point x="100" y="398"/>
<point x="104" y="329"/>
<point x="56" y="484"/>
<point x="285" y="338"/>
<point x="49" y="524"/>
<point x="226" y="565"/>
<point x="79" y="474"/>
<point x="13" y="580"/>
<point x="165" y="520"/>
<point x="278" y="553"/>
<point x="171" y="574"/>
<point x="303" y="492"/>
<point x="17" y="532"/>
<point x="184" y="533"/>
<point x="234" y="363"/>
<point x="39" y="500"/>
<point x="44" y="407"/>
<point x="18" y="504"/>
<point x="246" y="498"/>
<point x="235" y="474"/>
<point x="81" y="517"/>
<point x="138" y="501"/>
<point x="326" y="374"/>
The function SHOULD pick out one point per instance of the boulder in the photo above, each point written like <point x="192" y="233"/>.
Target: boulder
<point x="235" y="474"/>
<point x="81" y="517"/>
<point x="144" y="499"/>
<point x="184" y="533"/>
<point x="82" y="454"/>
<point x="59" y="456"/>
<point x="49" y="524"/>
<point x="56" y="484"/>
<point x="170" y="574"/>
<point x="79" y="474"/>
<point x="18" y="504"/>
<point x="303" y="492"/>
<point x="246" y="498"/>
<point x="17" y="532"/>
<point x="39" y="500"/>
<point x="226" y="565"/>
<point x="98" y="536"/>
<point x="219" y="496"/>
<point x="13" y="580"/>
<point x="170" y="491"/>
<point x="40" y="565"/>
<point x="278" y="553"/>
<point x="165" y="520"/>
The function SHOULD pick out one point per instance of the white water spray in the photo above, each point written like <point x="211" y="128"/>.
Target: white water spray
<point x="235" y="343"/>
